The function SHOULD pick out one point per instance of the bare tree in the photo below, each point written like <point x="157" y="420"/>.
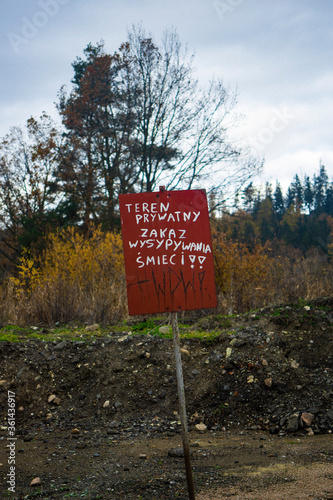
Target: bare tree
<point x="28" y="187"/>
<point x="138" y="118"/>
<point x="182" y="128"/>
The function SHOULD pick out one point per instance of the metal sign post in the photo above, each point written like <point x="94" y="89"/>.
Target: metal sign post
<point x="182" y="405"/>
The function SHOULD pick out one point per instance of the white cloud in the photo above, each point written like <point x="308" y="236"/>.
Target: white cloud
<point x="302" y="162"/>
<point x="278" y="55"/>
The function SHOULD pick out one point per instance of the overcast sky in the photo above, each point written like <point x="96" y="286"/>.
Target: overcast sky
<point x="278" y="54"/>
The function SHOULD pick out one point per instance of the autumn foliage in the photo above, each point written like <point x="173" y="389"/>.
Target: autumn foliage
<point x="81" y="278"/>
<point x="132" y="121"/>
<point x="248" y="279"/>
<point x="243" y="277"/>
<point x="77" y="278"/>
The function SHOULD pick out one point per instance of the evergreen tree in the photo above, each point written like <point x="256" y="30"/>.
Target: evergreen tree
<point x="248" y="196"/>
<point x="265" y="220"/>
<point x="297" y="189"/>
<point x="236" y="201"/>
<point x="290" y="197"/>
<point x="257" y="203"/>
<point x="320" y="183"/>
<point x="290" y="226"/>
<point x="269" y="191"/>
<point x="249" y="234"/>
<point x="278" y="201"/>
<point x="329" y="200"/>
<point x="308" y="193"/>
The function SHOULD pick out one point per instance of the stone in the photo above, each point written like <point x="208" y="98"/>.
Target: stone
<point x="51" y="398"/>
<point x="307" y="418"/>
<point x="330" y="414"/>
<point x="250" y="379"/>
<point x="106" y="404"/>
<point x="112" y="432"/>
<point x="164" y="329"/>
<point x="268" y="382"/>
<point x="92" y="328"/>
<point x="75" y="431"/>
<point x="3" y="382"/>
<point x="36" y="481"/>
<point x="142" y="456"/>
<point x="117" y="404"/>
<point x="314" y="410"/>
<point x="176" y="452"/>
<point x="264" y="362"/>
<point x="229" y="365"/>
<point x="294" y="364"/>
<point x="228" y="352"/>
<point x="81" y="446"/>
<point x="61" y="345"/>
<point x="216" y="356"/>
<point x="201" y="427"/>
<point x="184" y="351"/>
<point x="282" y="421"/>
<point x="292" y="423"/>
<point x="113" y="424"/>
<point x="195" y="372"/>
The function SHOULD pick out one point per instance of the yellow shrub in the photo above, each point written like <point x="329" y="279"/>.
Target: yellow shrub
<point x="77" y="278"/>
<point x="243" y="277"/>
<point x="28" y="275"/>
<point x="82" y="260"/>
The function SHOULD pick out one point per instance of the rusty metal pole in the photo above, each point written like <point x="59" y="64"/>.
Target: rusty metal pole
<point x="182" y="405"/>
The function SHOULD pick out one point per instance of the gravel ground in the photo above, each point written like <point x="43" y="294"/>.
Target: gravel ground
<point x="98" y="419"/>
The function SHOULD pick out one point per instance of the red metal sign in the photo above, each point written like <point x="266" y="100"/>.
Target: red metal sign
<point x="168" y="251"/>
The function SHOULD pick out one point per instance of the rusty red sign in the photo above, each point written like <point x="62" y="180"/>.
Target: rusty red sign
<point x="168" y="251"/>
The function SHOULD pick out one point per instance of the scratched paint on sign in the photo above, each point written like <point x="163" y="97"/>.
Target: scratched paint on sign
<point x="168" y="251"/>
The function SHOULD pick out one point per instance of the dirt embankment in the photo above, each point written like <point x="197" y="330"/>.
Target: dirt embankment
<point x="98" y="418"/>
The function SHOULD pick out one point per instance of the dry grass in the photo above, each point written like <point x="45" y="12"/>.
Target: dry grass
<point x="77" y="279"/>
<point x="253" y="279"/>
<point x="83" y="280"/>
